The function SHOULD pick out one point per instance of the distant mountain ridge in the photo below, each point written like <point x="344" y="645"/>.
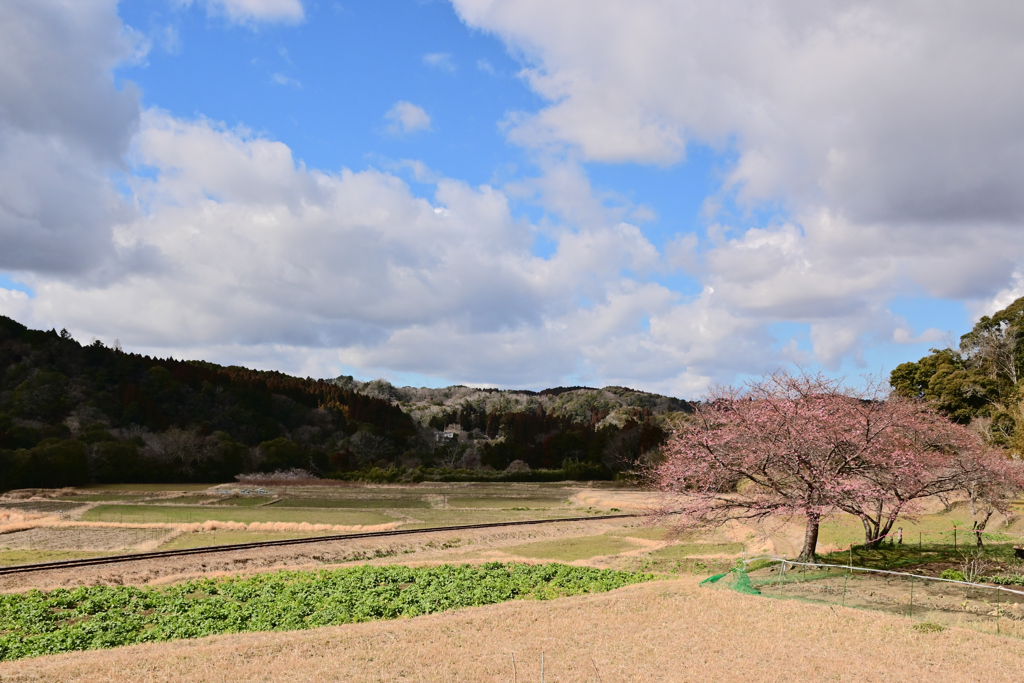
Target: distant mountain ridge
<point x="73" y="414"/>
<point x="432" y="407"/>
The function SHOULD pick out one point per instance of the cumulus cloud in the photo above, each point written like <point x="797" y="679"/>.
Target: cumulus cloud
<point x="849" y="117"/>
<point x="64" y="129"/>
<point x="257" y="251"/>
<point x="231" y="249"/>
<point x="887" y="133"/>
<point x="405" y="118"/>
<point x="884" y="111"/>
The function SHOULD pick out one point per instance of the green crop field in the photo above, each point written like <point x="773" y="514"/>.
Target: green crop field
<point x="185" y="500"/>
<point x="435" y="517"/>
<point x="246" y="502"/>
<point x="686" y="550"/>
<point x="503" y="503"/>
<point x="652" y="533"/>
<point x="9" y="557"/>
<point x="353" y="503"/>
<point x="41" y="623"/>
<point x="112" y="497"/>
<point x="166" y="514"/>
<point x="571" y="549"/>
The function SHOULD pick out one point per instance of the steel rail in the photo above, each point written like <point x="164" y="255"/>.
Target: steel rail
<point x="205" y="550"/>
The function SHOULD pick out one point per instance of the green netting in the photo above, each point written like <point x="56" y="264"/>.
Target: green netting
<point x="740" y="581"/>
<point x="713" y="579"/>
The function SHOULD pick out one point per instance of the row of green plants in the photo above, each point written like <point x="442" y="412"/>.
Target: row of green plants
<point x="41" y="623"/>
<point x="1004" y="580"/>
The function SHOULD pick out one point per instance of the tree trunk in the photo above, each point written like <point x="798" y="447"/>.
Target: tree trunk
<point x="808" y="554"/>
<point x="978" y="527"/>
<point x="873" y="527"/>
<point x="870" y="531"/>
<point x="884" y="530"/>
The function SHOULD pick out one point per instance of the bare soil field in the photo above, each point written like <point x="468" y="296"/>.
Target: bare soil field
<point x="430" y="548"/>
<point x="82" y="538"/>
<point x="50" y="524"/>
<point x="660" y="631"/>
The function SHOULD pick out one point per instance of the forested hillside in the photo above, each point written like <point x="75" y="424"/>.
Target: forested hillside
<point x="73" y="414"/>
<point x="979" y="383"/>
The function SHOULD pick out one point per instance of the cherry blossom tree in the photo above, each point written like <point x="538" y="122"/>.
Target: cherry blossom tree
<point x="922" y="453"/>
<point x="804" y="445"/>
<point x="992" y="483"/>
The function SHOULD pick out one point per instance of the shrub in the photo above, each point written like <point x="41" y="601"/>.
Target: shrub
<point x="952" y="574"/>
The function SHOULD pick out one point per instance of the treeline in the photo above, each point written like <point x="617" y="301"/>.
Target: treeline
<point x="544" y="440"/>
<point x="979" y="383"/>
<point x="73" y="414"/>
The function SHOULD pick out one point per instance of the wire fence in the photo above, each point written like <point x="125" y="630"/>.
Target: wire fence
<point x="957" y="536"/>
<point x="934" y="601"/>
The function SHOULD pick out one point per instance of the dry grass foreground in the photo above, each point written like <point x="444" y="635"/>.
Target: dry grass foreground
<point x="661" y="631"/>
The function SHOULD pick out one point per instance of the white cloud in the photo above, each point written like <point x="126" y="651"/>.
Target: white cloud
<point x="886" y="131"/>
<point x="257" y="251"/>
<point x="895" y="110"/>
<point x="64" y="129"/>
<point x="440" y="60"/>
<point x="405" y="118"/>
<point x="236" y="252"/>
<point x="281" y="79"/>
<point x="485" y="66"/>
<point x="904" y="335"/>
<point x="249" y="11"/>
<point x="879" y="111"/>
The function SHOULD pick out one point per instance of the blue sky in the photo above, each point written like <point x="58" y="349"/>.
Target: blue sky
<point x="506" y="192"/>
<point x="324" y="85"/>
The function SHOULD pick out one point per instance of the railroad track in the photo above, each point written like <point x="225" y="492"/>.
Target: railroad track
<point x="233" y="547"/>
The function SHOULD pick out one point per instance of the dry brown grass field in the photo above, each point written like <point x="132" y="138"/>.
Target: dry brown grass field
<point x="669" y="630"/>
<point x="661" y="631"/>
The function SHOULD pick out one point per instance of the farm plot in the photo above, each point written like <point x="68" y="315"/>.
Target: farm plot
<point x="12" y="557"/>
<point x="188" y="499"/>
<point x="189" y="514"/>
<point x="938" y="604"/>
<point x="653" y="631"/>
<point x="244" y="502"/>
<point x="225" y="537"/>
<point x="80" y="538"/>
<point x="571" y="549"/>
<point x="42" y="506"/>
<point x="146" y="488"/>
<point x="86" y="618"/>
<point x="405" y="502"/>
<point x="111" y="497"/>
<point x="682" y="551"/>
<point x="507" y="502"/>
<point x="436" y="517"/>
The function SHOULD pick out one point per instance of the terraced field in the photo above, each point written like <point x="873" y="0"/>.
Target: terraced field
<point x="185" y="514"/>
